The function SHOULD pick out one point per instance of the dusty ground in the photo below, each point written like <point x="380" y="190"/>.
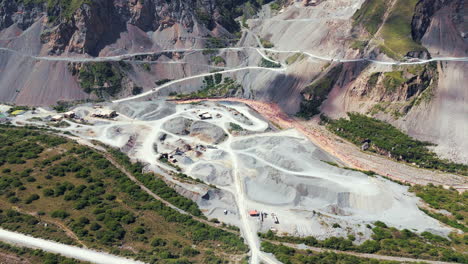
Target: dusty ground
<point x="350" y="154"/>
<point x="276" y="167"/>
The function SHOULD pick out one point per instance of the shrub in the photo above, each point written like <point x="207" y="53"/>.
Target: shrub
<point x="60" y="214"/>
<point x="31" y="198"/>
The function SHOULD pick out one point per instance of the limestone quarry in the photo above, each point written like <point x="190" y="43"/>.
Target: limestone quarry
<point x="242" y="163"/>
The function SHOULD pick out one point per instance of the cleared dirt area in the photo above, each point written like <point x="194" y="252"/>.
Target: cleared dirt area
<point x="279" y="168"/>
<point x="348" y="153"/>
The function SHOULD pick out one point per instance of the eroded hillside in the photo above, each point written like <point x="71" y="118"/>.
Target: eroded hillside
<point x="52" y="51"/>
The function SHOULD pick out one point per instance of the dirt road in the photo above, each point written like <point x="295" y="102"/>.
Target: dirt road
<point x="362" y="255"/>
<point x="347" y="152"/>
<point x="65" y="250"/>
<point x="145" y="189"/>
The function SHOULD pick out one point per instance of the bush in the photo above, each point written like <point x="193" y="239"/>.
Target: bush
<point x="190" y="252"/>
<point x="60" y="214"/>
<point x="369" y="246"/>
<point x="387" y="139"/>
<point x="139" y="230"/>
<point x="158" y="242"/>
<point x="31" y="198"/>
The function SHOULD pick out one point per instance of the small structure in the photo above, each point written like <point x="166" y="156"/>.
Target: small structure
<point x="69" y="114"/>
<point x="254" y="213"/>
<point x="205" y="116"/>
<point x="105" y="113"/>
<point x="56" y="118"/>
<point x="225" y="212"/>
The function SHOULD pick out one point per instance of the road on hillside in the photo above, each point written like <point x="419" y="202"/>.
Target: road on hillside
<point x="62" y="249"/>
<point x="128" y="56"/>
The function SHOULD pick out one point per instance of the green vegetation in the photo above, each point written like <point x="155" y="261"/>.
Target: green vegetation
<point x="396" y="31"/>
<point x="218" y="60"/>
<point x="33" y="255"/>
<point x="368" y="173"/>
<point x="209" y="51"/>
<point x="388" y="140"/>
<point x="146" y="66"/>
<point x="73" y="186"/>
<point x="455" y="203"/>
<point x="162" y="81"/>
<point x="393" y="80"/>
<point x="18" y="108"/>
<point x="214" y="86"/>
<point x="166" y="161"/>
<point x="269" y="64"/>
<point x="266" y="43"/>
<point x="373" y="79"/>
<point x="370" y="15"/>
<point x="64" y="8"/>
<point x="293" y="58"/>
<point x="155" y="184"/>
<point x="216" y="43"/>
<point x="62" y="106"/>
<point x="24" y="223"/>
<point x="137" y="90"/>
<point x="233" y="127"/>
<point x="387" y="241"/>
<point x="289" y="255"/>
<point x="102" y="78"/>
<point x="359" y="44"/>
<point x="379" y="107"/>
<point x="317" y="92"/>
<point x="420" y="80"/>
<point x="275" y="6"/>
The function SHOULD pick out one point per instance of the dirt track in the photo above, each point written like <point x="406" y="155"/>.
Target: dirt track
<point x="348" y="153"/>
<point x="362" y="255"/>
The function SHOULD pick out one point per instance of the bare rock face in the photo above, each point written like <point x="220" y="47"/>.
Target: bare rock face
<point x="425" y="9"/>
<point x="91" y="27"/>
<point x="19" y="14"/>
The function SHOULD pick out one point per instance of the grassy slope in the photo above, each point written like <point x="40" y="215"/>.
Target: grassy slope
<point x="370" y="15"/>
<point x="396" y="31"/>
<point x="442" y="199"/>
<point x="80" y="189"/>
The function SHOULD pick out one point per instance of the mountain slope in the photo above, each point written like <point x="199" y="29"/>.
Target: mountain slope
<point x="310" y="38"/>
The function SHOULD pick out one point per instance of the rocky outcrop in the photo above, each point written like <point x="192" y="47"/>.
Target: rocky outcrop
<point x="14" y="12"/>
<point x="95" y="24"/>
<point x="424" y="11"/>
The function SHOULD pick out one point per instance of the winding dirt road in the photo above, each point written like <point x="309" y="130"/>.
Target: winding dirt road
<point x="362" y="255"/>
<point x="347" y="152"/>
<point x="62" y="249"/>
